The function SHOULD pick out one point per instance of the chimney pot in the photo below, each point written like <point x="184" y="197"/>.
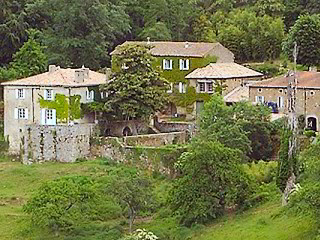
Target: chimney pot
<point x="52" y="68"/>
<point x="313" y="69"/>
<point x="79" y="75"/>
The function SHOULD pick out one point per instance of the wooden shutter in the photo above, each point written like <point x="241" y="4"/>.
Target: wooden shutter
<point x="45" y="95"/>
<point x="54" y="117"/>
<point x="26" y="113"/>
<point x="43" y="116"/>
<point x="164" y="64"/>
<point x="17" y="93"/>
<point x="187" y="62"/>
<point x="16" y="113"/>
<point x="23" y="93"/>
<point x="181" y="64"/>
<point x="171" y="64"/>
<point x="180" y="87"/>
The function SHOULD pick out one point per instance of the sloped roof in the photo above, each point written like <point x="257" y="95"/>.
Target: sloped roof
<point x="223" y="71"/>
<point x="60" y="77"/>
<point x="305" y="80"/>
<point x="239" y="94"/>
<point x="176" y="49"/>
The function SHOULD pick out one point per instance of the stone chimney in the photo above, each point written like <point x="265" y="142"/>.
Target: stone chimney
<point x="313" y="69"/>
<point x="52" y="68"/>
<point x="86" y="72"/>
<point x="186" y="45"/>
<point x="79" y="76"/>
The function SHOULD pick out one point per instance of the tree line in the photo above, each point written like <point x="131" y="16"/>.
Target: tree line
<point x="76" y="33"/>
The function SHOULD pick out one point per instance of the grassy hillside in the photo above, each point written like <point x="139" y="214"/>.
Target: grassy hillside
<point x="17" y="182"/>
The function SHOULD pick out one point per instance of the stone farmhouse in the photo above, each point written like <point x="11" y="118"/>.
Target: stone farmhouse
<point x="230" y="78"/>
<point x="194" y="69"/>
<point x="48" y="99"/>
<point x="308" y="95"/>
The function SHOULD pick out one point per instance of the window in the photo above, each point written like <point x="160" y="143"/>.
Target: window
<point x="171" y="88"/>
<point x="259" y="90"/>
<point x="167" y="64"/>
<point x="49" y="114"/>
<point x="280" y="91"/>
<point x="48" y="117"/>
<point x="182" y="87"/>
<point x="280" y="102"/>
<point x="202" y="87"/>
<point x="20" y="93"/>
<point x="124" y="66"/>
<point x="210" y="87"/>
<point x="21" y="113"/>
<point x="48" y="94"/>
<point x="184" y="64"/>
<point x="90" y="95"/>
<point x="311" y="93"/>
<point x="259" y="99"/>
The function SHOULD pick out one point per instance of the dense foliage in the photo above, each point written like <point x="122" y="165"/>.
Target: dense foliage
<point x="80" y="33"/>
<point x="137" y="89"/>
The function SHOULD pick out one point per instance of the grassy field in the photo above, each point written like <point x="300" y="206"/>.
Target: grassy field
<point x="17" y="183"/>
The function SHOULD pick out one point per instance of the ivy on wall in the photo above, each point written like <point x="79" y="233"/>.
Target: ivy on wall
<point x="187" y="99"/>
<point x="176" y="75"/>
<point x="66" y="107"/>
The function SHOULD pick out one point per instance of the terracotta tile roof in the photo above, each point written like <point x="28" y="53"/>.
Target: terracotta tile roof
<point x="239" y="94"/>
<point x="176" y="49"/>
<point x="223" y="71"/>
<point x="60" y="77"/>
<point x="305" y="80"/>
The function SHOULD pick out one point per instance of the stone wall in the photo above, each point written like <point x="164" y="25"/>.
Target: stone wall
<point x="56" y="143"/>
<point x="167" y="127"/>
<point x="117" y="128"/>
<point x="156" y="140"/>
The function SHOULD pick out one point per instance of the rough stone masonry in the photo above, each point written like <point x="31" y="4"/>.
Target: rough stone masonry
<point x="56" y="143"/>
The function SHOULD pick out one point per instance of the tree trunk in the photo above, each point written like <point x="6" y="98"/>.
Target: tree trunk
<point x="289" y="187"/>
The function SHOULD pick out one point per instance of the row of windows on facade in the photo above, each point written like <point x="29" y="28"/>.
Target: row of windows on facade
<point x="312" y="93"/>
<point x="48" y="94"/>
<point x="202" y="87"/>
<point x="280" y="102"/>
<point x="167" y="64"/>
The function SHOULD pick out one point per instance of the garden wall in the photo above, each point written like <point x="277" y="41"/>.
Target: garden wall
<point x="56" y="143"/>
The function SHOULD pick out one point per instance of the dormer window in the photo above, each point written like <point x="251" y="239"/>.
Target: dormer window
<point x="48" y="94"/>
<point x="167" y="64"/>
<point x="20" y="93"/>
<point x="184" y="64"/>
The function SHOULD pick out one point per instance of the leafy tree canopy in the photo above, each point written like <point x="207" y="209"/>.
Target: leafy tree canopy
<point x="306" y="33"/>
<point x="212" y="178"/>
<point x="137" y="90"/>
<point x="80" y="32"/>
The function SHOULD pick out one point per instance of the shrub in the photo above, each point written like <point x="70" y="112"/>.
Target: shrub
<point x="63" y="203"/>
<point x="309" y="133"/>
<point x="262" y="172"/>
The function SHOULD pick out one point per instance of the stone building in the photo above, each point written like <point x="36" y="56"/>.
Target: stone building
<point x="230" y="78"/>
<point x="51" y="98"/>
<point x="308" y="95"/>
<point x="177" y="60"/>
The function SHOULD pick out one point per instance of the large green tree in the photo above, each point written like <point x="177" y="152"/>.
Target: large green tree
<point x="212" y="178"/>
<point x="136" y="89"/>
<point x="79" y="32"/>
<point x="306" y="33"/>
<point x="13" y="26"/>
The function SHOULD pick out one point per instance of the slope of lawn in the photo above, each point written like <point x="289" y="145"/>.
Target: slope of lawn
<point x="262" y="223"/>
<point x="17" y="182"/>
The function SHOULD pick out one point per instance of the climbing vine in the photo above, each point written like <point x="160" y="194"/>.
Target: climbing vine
<point x="66" y="107"/>
<point x="187" y="99"/>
